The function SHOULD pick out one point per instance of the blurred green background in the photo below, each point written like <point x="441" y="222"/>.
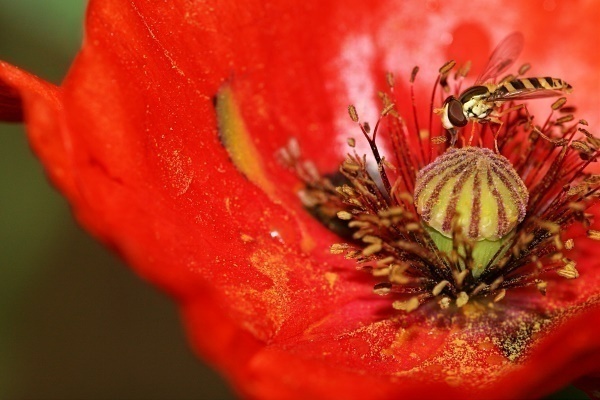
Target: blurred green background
<point x="75" y="323"/>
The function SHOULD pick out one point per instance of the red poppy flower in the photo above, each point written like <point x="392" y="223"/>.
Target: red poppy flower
<point x="131" y="138"/>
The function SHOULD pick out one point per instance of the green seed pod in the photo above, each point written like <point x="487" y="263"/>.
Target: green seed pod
<point x="475" y="185"/>
<point x="478" y="191"/>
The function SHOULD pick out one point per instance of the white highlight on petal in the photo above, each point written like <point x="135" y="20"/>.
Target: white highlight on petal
<point x="354" y="64"/>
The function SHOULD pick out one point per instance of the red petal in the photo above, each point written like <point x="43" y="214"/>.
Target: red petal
<point x="10" y="104"/>
<point x="131" y="139"/>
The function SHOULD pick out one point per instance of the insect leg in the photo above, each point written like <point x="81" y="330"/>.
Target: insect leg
<point x="453" y="136"/>
<point x="472" y="133"/>
<point x="509" y="110"/>
<point x="495" y="116"/>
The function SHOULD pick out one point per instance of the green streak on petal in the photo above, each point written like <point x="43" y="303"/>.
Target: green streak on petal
<point x="236" y="139"/>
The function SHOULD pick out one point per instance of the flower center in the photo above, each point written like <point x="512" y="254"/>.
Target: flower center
<point x="451" y="222"/>
<point x="473" y="190"/>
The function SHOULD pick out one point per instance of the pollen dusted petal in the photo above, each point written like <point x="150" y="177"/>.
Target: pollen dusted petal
<point x="131" y="139"/>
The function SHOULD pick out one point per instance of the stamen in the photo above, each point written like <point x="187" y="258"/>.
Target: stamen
<point x="592" y="234"/>
<point x="557" y="105"/>
<point x="462" y="299"/>
<point x="408" y="305"/>
<point x="474" y="223"/>
<point x="524" y="68"/>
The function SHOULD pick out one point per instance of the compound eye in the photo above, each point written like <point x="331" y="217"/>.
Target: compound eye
<point x="456" y="116"/>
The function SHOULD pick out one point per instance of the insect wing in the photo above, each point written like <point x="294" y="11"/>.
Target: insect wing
<point x="525" y="94"/>
<point x="502" y="58"/>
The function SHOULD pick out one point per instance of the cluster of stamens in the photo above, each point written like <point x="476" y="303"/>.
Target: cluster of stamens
<point x="383" y="208"/>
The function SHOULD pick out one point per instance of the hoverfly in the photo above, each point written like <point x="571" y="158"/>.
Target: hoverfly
<point x="482" y="102"/>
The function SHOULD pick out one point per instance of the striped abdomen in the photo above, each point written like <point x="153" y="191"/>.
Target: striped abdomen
<point x="530" y="87"/>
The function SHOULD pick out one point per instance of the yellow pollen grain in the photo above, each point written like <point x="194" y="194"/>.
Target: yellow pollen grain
<point x="439" y="287"/>
<point x="371" y="239"/>
<point x="444" y="302"/>
<point x="462" y="299"/>
<point x="575" y="190"/>
<point x="500" y="295"/>
<point x="447" y="67"/>
<point x="344" y="215"/>
<point x="385" y="261"/>
<point x="568" y="271"/>
<point x="460" y="276"/>
<point x="542" y="286"/>
<point x="593" y="234"/>
<point x="453" y="380"/>
<point x="413" y="226"/>
<point x="408" y="305"/>
<point x="372" y="249"/>
<point x="358" y="224"/>
<point x="331" y="278"/>
<point x="566" y="118"/>
<point x="559" y="103"/>
<point x="381" y="271"/>
<point x="438" y="139"/>
<point x="275" y="298"/>
<point x="338" y="248"/>
<point x="352" y="112"/>
<point x="246" y="238"/>
<point x="406" y="197"/>
<point x="228" y="205"/>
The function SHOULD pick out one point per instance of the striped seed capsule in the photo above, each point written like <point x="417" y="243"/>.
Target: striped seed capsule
<point x="474" y="186"/>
